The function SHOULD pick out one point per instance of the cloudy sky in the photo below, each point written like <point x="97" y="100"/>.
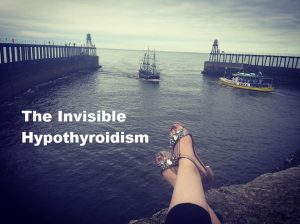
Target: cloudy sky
<point x="257" y="26"/>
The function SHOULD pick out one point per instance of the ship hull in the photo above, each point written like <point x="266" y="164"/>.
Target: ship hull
<point x="148" y="75"/>
<point x="235" y="85"/>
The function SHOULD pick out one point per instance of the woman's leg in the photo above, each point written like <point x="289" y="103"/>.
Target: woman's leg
<point x="188" y="187"/>
<point x="171" y="176"/>
<point x="178" y="197"/>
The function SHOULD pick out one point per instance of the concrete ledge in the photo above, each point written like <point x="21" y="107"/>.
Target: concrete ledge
<point x="270" y="198"/>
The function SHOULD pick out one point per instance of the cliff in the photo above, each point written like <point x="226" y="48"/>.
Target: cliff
<point x="269" y="198"/>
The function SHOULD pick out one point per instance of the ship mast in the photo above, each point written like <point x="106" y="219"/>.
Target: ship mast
<point x="148" y="60"/>
<point x="154" y="64"/>
<point x="144" y="61"/>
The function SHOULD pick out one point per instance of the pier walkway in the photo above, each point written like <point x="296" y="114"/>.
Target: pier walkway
<point x="16" y="53"/>
<point x="24" y="65"/>
<point x="281" y="68"/>
<point x="275" y="61"/>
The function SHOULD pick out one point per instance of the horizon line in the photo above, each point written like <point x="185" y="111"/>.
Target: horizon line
<point x="126" y="49"/>
<point x="193" y="52"/>
<point x="8" y="40"/>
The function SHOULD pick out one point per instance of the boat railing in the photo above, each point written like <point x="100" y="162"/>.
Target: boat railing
<point x="266" y="82"/>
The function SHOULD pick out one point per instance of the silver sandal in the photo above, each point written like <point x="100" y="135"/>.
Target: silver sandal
<point x="205" y="171"/>
<point x="165" y="160"/>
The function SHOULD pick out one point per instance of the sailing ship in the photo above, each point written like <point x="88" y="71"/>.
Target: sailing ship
<point x="148" y="69"/>
<point x="250" y="81"/>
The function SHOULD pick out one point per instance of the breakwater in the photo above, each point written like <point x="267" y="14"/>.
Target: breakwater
<point x="24" y="65"/>
<point x="280" y="68"/>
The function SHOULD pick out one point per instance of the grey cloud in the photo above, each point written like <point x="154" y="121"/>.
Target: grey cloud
<point x="190" y="24"/>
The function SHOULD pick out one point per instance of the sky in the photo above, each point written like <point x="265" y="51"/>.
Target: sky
<point x="256" y="26"/>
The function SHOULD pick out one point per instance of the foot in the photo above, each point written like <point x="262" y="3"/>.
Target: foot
<point x="180" y="135"/>
<point x="168" y="164"/>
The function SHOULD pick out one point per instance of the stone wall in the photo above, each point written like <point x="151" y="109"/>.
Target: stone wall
<point x="269" y="198"/>
<point x="17" y="77"/>
<point x="279" y="75"/>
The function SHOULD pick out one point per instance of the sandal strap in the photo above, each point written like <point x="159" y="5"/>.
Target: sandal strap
<point x="205" y="171"/>
<point x="182" y="156"/>
<point x="174" y="139"/>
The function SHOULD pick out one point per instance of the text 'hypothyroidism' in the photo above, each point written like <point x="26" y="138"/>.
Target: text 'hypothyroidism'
<point x="79" y="138"/>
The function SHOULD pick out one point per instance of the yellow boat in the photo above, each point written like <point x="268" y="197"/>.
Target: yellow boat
<point x="249" y="81"/>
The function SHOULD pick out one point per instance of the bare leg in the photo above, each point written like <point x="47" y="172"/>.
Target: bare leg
<point x="187" y="183"/>
<point x="170" y="176"/>
<point x="213" y="216"/>
<point x="188" y="187"/>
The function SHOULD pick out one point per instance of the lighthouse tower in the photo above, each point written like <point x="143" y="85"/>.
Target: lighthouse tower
<point x="89" y="40"/>
<point x="214" y="51"/>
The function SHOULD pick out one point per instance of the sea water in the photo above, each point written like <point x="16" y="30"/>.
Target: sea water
<point x="240" y="134"/>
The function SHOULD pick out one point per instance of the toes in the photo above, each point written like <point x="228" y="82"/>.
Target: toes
<point x="161" y="156"/>
<point x="176" y="126"/>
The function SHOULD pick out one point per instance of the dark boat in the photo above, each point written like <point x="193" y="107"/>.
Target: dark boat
<point x="148" y="69"/>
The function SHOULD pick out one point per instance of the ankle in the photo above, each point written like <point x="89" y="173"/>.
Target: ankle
<point x="185" y="144"/>
<point x="188" y="164"/>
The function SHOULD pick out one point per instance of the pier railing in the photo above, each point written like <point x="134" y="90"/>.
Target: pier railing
<point x="15" y="53"/>
<point x="256" y="60"/>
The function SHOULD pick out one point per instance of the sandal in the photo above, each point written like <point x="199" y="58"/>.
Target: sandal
<point x="165" y="160"/>
<point x="175" y="136"/>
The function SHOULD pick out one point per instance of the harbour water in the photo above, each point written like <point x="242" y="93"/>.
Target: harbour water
<point x="240" y="134"/>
